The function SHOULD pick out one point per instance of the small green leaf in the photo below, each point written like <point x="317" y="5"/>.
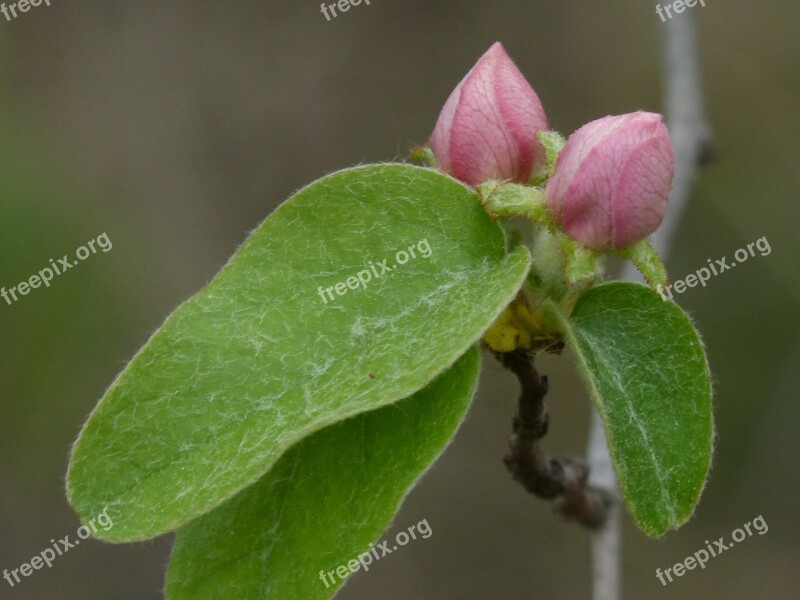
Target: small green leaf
<point x="646" y="260"/>
<point x="323" y="503"/>
<point x="553" y="142"/>
<point x="582" y="265"/>
<point x="646" y="369"/>
<point x="424" y="156"/>
<point x="563" y="268"/>
<point x="258" y="359"/>
<point x="515" y="200"/>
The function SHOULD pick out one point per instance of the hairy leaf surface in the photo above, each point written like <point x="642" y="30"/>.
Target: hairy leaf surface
<point x="258" y="360"/>
<point x="323" y="503"/>
<point x="647" y="372"/>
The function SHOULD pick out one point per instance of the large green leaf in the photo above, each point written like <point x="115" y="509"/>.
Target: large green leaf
<point x="257" y="360"/>
<point x="647" y="372"/>
<point x="322" y="504"/>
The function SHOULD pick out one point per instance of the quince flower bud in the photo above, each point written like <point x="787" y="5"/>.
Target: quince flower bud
<point x="612" y="180"/>
<point x="487" y="128"/>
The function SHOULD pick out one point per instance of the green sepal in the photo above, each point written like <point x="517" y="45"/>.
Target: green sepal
<point x="553" y="142"/>
<point x="646" y="260"/>
<point x="503" y="199"/>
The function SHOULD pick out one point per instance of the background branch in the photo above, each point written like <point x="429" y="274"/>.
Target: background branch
<point x="692" y="140"/>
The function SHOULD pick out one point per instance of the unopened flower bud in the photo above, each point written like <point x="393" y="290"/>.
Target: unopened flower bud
<point x="487" y="129"/>
<point x="612" y="180"/>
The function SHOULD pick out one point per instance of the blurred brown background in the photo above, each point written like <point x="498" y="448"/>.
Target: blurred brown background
<point x="176" y="127"/>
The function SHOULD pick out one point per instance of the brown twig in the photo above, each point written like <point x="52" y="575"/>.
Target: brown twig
<point x="545" y="477"/>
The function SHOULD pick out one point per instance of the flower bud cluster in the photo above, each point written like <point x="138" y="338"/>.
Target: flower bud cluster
<point x="611" y="181"/>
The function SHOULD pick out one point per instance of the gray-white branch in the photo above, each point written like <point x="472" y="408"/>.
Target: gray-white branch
<point x="692" y="140"/>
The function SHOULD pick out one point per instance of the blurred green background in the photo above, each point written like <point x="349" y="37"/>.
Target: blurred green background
<point x="176" y="127"/>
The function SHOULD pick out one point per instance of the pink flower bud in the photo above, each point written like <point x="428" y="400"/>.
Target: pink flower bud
<point x="612" y="180"/>
<point x="487" y="129"/>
